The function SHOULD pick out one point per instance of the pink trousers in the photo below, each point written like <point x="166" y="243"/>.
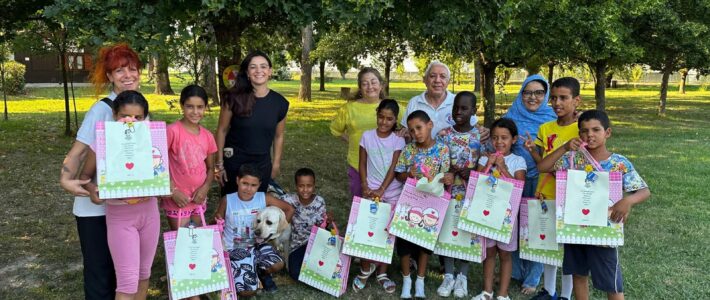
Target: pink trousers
<point x="133" y="232"/>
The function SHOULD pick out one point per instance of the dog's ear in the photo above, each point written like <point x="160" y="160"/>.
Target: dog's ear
<point x="283" y="224"/>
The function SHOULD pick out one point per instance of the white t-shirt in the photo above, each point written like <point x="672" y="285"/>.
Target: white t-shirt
<point x="441" y="116"/>
<point x="83" y="207"/>
<point x="513" y="162"/>
<point x="239" y="219"/>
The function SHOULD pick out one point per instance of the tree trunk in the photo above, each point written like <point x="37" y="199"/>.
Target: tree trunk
<point x="2" y="76"/>
<point x="229" y="49"/>
<point x="304" y="93"/>
<point x="388" y="70"/>
<point x="209" y="80"/>
<point x="321" y="66"/>
<point x="488" y="79"/>
<point x="664" y="90"/>
<point x="67" y="121"/>
<point x="162" y="78"/>
<point x="550" y="71"/>
<point x="600" y="84"/>
<point x="477" y="75"/>
<point x="683" y="80"/>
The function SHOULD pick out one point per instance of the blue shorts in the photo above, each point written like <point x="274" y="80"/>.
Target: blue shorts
<point x="602" y="262"/>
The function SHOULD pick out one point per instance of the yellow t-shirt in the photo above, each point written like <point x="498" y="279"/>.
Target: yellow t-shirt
<point x="353" y="119"/>
<point x="551" y="136"/>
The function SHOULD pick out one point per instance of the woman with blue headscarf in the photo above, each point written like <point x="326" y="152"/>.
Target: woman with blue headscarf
<point x="529" y="111"/>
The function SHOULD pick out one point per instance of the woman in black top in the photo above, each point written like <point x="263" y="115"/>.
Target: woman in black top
<point x="252" y="119"/>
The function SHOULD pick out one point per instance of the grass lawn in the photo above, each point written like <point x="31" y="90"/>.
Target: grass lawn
<point x="666" y="251"/>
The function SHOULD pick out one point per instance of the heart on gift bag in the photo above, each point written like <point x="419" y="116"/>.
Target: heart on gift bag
<point x="585" y="211"/>
<point x="454" y="233"/>
<point x="486" y="212"/>
<point x="370" y="233"/>
<point x="129" y="165"/>
<point x="542" y="237"/>
<point x="191" y="266"/>
<point x="320" y="263"/>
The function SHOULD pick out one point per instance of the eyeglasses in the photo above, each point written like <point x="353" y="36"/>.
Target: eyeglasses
<point x="538" y="93"/>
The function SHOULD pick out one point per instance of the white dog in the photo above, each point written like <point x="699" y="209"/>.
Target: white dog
<point x="270" y="225"/>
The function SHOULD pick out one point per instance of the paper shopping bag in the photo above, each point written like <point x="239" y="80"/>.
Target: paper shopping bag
<point x="538" y="238"/>
<point x="418" y="215"/>
<point x="366" y="235"/>
<point x="490" y="207"/>
<point x="456" y="243"/>
<point x="131" y="159"/>
<point x="610" y="233"/>
<point x="218" y="268"/>
<point x="324" y="266"/>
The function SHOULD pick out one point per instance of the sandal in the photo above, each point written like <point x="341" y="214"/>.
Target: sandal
<point x="483" y="296"/>
<point x="360" y="281"/>
<point x="386" y="283"/>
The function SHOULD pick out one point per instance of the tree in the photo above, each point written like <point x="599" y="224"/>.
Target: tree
<point x="338" y="45"/>
<point x="674" y="36"/>
<point x="304" y="93"/>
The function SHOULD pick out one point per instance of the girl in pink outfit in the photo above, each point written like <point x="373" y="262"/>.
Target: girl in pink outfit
<point x="133" y="225"/>
<point x="191" y="149"/>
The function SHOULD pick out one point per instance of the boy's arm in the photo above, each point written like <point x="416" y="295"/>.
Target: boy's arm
<point x="283" y="205"/>
<point x="547" y="164"/>
<point x="620" y="211"/>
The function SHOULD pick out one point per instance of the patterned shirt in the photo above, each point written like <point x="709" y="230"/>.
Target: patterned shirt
<point x="464" y="151"/>
<point x="304" y="217"/>
<point x="435" y="158"/>
<point x="631" y="180"/>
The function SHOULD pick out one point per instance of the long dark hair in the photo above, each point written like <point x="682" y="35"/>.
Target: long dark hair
<point x="241" y="98"/>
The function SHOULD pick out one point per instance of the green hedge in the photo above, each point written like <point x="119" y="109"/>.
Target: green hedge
<point x="14" y="78"/>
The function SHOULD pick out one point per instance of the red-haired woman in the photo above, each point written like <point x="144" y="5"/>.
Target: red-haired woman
<point x="116" y="69"/>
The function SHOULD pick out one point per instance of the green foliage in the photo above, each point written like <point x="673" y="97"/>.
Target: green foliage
<point x="282" y="74"/>
<point x="14" y="78"/>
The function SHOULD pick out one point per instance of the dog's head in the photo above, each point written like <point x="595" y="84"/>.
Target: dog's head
<point x="269" y="224"/>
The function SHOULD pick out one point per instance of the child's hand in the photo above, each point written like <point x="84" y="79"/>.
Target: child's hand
<point x="412" y="172"/>
<point x="180" y="198"/>
<point x="573" y="144"/>
<point x="200" y="195"/>
<point x="377" y="193"/>
<point x="329" y="215"/>
<point x="620" y="211"/>
<point x="448" y="179"/>
<point x="366" y="192"/>
<point x="485" y="133"/>
<point x="500" y="162"/>
<point x="529" y="143"/>
<point x="216" y="218"/>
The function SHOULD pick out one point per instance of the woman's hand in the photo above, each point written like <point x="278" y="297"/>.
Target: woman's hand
<point x="275" y="170"/>
<point x="220" y="175"/>
<point x="485" y="133"/>
<point x="74" y="186"/>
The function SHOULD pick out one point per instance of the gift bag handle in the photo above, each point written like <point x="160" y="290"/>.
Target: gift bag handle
<point x="487" y="171"/>
<point x="588" y="156"/>
<point x="200" y="210"/>
<point x="325" y="223"/>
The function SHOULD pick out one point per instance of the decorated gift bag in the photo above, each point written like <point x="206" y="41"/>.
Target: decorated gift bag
<point x="366" y="236"/>
<point x="491" y="205"/>
<point x="195" y="260"/>
<point x="456" y="243"/>
<point x="131" y="159"/>
<point x="538" y="241"/>
<point x="583" y="201"/>
<point x="324" y="266"/>
<point x="418" y="215"/>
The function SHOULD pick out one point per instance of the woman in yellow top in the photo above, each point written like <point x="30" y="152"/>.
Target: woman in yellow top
<point x="356" y="117"/>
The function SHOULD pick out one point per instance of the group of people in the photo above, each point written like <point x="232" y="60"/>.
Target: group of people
<point x="438" y="133"/>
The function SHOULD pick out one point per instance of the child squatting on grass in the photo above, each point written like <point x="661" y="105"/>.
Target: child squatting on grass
<point x="582" y="260"/>
<point x="423" y="153"/>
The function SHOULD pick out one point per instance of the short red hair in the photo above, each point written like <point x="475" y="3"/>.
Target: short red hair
<point x="111" y="58"/>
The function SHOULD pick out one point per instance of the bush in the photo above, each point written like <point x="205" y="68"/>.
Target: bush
<point x="14" y="77"/>
<point x="282" y="74"/>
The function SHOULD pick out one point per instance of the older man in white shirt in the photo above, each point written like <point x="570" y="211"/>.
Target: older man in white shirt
<point x="437" y="101"/>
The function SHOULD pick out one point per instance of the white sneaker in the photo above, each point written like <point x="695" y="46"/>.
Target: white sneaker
<point x="446" y="286"/>
<point x="419" y="288"/>
<point x="406" y="287"/>
<point x="483" y="296"/>
<point x="461" y="286"/>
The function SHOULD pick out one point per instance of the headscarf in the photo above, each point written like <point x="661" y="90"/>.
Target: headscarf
<point x="529" y="121"/>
